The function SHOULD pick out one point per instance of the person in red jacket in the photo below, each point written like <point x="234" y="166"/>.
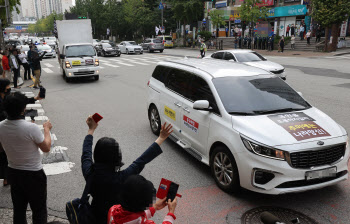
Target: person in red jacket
<point x="136" y="204"/>
<point x="6" y="66"/>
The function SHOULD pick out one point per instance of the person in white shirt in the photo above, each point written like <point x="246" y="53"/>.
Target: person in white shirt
<point x="292" y="42"/>
<point x="21" y="141"/>
<point x="308" y="36"/>
<point x="23" y="58"/>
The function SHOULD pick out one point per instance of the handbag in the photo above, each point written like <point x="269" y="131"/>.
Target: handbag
<point x="79" y="210"/>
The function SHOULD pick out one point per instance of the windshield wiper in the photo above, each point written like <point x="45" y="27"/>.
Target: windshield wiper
<point x="277" y="110"/>
<point x="240" y="113"/>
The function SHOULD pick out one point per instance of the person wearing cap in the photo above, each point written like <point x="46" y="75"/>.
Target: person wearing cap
<point x="136" y="204"/>
<point x="203" y="48"/>
<point x="107" y="178"/>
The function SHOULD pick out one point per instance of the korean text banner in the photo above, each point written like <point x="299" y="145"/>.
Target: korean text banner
<point x="293" y="10"/>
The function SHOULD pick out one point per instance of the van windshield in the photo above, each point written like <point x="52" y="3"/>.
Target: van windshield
<point x="256" y="95"/>
<point x="80" y="51"/>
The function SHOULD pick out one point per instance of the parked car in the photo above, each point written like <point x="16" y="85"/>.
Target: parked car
<point x="167" y="40"/>
<point x="252" y="128"/>
<point x="251" y="58"/>
<point x="129" y="47"/>
<point x="107" y="49"/>
<point x="49" y="51"/>
<point x="152" y="45"/>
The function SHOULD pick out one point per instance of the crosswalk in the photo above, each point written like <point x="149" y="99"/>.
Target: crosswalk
<point x="341" y="57"/>
<point x="126" y="61"/>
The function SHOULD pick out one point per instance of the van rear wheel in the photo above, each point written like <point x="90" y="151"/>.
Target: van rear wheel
<point x="154" y="120"/>
<point x="224" y="170"/>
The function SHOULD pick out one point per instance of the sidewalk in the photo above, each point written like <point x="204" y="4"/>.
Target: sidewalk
<point x="286" y="53"/>
<point x="6" y="216"/>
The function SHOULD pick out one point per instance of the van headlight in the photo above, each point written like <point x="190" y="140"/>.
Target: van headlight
<point x="262" y="150"/>
<point x="97" y="62"/>
<point x="68" y="65"/>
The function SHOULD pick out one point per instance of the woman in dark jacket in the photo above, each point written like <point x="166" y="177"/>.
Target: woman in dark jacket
<point x="282" y="43"/>
<point x="105" y="172"/>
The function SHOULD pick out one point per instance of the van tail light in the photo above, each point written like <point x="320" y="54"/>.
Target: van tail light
<point x="148" y="83"/>
<point x="163" y="41"/>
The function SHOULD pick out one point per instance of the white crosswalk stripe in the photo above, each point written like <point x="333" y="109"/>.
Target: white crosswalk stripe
<point x="339" y="57"/>
<point x="48" y="65"/>
<point x="110" y="65"/>
<point x="47" y="70"/>
<point x="122" y="63"/>
<point x="133" y="61"/>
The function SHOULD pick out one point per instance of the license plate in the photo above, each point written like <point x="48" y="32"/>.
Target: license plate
<point x="318" y="174"/>
<point x="89" y="61"/>
<point x="83" y="70"/>
<point x="76" y="62"/>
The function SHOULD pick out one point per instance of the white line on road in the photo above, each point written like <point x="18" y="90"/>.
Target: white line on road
<point x="47" y="70"/>
<point x="110" y="65"/>
<point x="133" y="61"/>
<point x="48" y="65"/>
<point x="119" y="62"/>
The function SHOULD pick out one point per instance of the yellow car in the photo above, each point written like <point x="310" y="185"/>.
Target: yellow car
<point x="167" y="40"/>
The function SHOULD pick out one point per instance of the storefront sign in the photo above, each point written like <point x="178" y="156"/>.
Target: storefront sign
<point x="237" y="21"/>
<point x="293" y="10"/>
<point x="271" y="13"/>
<point x="306" y="2"/>
<point x="343" y="28"/>
<point x="287" y="1"/>
<point x="220" y="4"/>
<point x="266" y="3"/>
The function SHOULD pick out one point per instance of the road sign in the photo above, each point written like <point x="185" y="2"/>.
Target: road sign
<point x="18" y="27"/>
<point x="160" y="6"/>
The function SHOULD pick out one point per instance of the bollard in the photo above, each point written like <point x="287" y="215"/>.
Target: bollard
<point x="222" y="45"/>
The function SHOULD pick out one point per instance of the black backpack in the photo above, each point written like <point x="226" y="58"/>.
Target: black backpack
<point x="79" y="210"/>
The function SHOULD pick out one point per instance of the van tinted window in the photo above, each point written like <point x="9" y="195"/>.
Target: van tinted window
<point x="160" y="73"/>
<point x="178" y="81"/>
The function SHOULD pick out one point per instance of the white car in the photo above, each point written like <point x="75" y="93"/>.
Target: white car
<point x="129" y="47"/>
<point x="49" y="51"/>
<point x="24" y="48"/>
<point x="248" y="125"/>
<point x="251" y="58"/>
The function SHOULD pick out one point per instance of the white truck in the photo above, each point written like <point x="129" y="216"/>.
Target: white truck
<point x="77" y="56"/>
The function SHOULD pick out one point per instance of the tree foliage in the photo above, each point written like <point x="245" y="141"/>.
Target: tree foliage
<point x="250" y="12"/>
<point x="44" y="25"/>
<point x="329" y="12"/>
<point x="216" y="17"/>
<point x="14" y="5"/>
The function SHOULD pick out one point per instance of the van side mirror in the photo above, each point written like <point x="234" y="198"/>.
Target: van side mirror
<point x="202" y="105"/>
<point x="62" y="56"/>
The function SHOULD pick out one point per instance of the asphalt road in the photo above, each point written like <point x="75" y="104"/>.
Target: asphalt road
<point x="120" y="97"/>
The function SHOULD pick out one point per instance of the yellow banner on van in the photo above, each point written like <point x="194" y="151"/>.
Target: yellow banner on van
<point x="170" y="113"/>
<point x="76" y="62"/>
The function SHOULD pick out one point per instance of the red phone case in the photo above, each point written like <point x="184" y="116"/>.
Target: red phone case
<point x="97" y="117"/>
<point x="163" y="189"/>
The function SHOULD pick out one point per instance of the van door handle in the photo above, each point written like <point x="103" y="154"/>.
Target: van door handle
<point x="177" y="104"/>
<point x="186" y="109"/>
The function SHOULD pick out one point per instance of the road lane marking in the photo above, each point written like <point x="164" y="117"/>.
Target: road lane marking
<point x="133" y="61"/>
<point x="48" y="65"/>
<point x="110" y="65"/>
<point x="47" y="70"/>
<point x="122" y="63"/>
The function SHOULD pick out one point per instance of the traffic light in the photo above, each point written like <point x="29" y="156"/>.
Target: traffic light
<point x="82" y="17"/>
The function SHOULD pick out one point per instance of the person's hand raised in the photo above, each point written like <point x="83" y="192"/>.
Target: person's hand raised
<point x="92" y="125"/>
<point x="165" y="131"/>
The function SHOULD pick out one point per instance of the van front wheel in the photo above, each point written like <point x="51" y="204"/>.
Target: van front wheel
<point x="224" y="170"/>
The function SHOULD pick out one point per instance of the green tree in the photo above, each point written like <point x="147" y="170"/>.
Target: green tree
<point x="14" y="5"/>
<point x="216" y="17"/>
<point x="251" y="13"/>
<point x="187" y="11"/>
<point x="330" y="14"/>
<point x="44" y="25"/>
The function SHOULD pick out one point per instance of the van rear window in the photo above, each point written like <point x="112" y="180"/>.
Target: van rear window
<point x="168" y="38"/>
<point x="160" y="73"/>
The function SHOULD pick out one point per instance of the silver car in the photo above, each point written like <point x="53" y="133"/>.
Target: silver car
<point x="49" y="51"/>
<point x="130" y="47"/>
<point x="152" y="45"/>
<point x="251" y="58"/>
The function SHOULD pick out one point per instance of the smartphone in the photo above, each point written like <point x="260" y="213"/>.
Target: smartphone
<point x="172" y="191"/>
<point x="42" y="92"/>
<point x="97" y="117"/>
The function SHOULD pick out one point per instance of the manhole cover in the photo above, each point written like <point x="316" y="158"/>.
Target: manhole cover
<point x="285" y="215"/>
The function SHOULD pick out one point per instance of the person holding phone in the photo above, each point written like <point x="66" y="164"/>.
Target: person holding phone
<point x="137" y="203"/>
<point x="107" y="178"/>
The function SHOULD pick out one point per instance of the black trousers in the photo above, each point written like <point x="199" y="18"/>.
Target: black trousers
<point x="28" y="187"/>
<point x="26" y="71"/>
<point x="16" y="74"/>
<point x="202" y="53"/>
<point x="3" y="164"/>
